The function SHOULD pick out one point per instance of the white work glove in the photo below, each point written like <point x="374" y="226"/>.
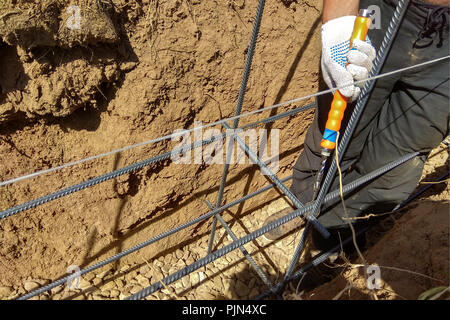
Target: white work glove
<point x="336" y="53"/>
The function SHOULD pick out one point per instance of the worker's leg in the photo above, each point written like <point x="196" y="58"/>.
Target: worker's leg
<point x="309" y="161"/>
<point x="414" y="118"/>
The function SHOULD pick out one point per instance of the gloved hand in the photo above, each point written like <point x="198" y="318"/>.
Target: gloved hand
<point x="336" y="53"/>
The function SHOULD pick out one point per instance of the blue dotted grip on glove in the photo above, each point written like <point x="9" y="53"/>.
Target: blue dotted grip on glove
<point x="339" y="52"/>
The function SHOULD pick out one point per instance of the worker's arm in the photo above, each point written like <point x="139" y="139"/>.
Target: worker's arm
<point x="333" y="9"/>
<point x="340" y="66"/>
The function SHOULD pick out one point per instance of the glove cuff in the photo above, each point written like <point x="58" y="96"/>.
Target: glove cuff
<point x="337" y="30"/>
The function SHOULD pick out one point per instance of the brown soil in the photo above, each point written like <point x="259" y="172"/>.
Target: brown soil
<point x="140" y="70"/>
<point x="64" y="98"/>
<point x="413" y="257"/>
<point x="51" y="69"/>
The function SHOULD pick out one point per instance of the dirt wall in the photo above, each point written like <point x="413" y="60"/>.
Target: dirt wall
<point x="147" y="69"/>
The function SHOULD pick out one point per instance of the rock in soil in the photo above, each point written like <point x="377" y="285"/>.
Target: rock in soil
<point x="5" y="292"/>
<point x="31" y="285"/>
